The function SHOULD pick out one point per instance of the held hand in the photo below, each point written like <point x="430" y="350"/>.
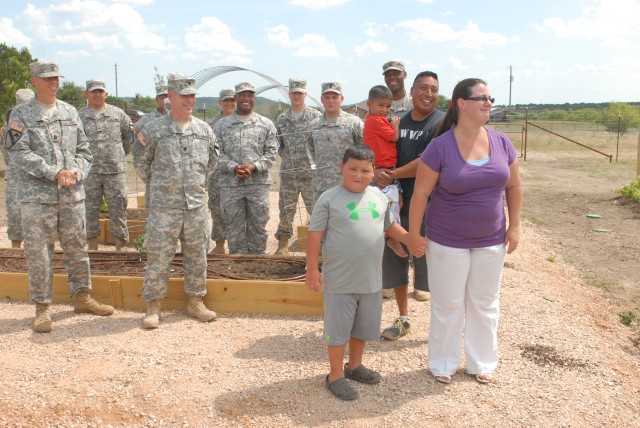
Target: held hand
<point x="242" y="171"/>
<point x="382" y="177"/>
<point x="394" y="120"/>
<point x="512" y="239"/>
<point x="313" y="280"/>
<point x="418" y="245"/>
<point x="67" y="178"/>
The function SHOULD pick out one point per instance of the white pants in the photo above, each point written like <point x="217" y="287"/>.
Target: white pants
<point x="465" y="291"/>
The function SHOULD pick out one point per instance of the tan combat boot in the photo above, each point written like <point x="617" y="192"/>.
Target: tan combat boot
<point x="219" y="249"/>
<point x="283" y="247"/>
<point x="85" y="304"/>
<point x="92" y="243"/>
<point x="151" y="319"/>
<point x="15" y="243"/>
<point x="120" y="243"/>
<point x="196" y="309"/>
<point x="42" y="323"/>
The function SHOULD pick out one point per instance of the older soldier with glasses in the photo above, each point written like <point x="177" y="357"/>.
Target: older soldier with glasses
<point x="47" y="142"/>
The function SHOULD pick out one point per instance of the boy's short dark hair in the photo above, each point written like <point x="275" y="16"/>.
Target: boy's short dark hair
<point x="359" y="152"/>
<point x="380" y="91"/>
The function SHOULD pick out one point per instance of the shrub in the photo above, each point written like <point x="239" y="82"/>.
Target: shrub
<point x="631" y="191"/>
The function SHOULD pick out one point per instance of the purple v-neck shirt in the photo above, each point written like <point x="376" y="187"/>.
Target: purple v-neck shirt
<point x="466" y="209"/>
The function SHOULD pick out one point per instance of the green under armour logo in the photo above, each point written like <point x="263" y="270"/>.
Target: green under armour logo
<point x="354" y="214"/>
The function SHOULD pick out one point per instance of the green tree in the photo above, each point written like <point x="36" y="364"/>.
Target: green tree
<point x="619" y="117"/>
<point x="14" y="74"/>
<point x="73" y="94"/>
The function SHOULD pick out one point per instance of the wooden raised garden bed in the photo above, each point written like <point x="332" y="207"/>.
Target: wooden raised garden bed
<point x="269" y="284"/>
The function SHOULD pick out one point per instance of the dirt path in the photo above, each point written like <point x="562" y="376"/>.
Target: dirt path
<point x="559" y="193"/>
<point x="566" y="360"/>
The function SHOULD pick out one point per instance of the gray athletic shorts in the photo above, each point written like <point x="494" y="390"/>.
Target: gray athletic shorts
<point x="351" y="315"/>
<point x="395" y="270"/>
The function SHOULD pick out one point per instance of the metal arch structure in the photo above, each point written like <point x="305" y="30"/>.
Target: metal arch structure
<point x="203" y="76"/>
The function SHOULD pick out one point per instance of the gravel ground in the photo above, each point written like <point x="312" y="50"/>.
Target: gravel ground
<point x="566" y="360"/>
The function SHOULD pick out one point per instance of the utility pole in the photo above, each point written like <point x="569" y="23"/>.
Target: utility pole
<point x="116" y="66"/>
<point x="510" y="81"/>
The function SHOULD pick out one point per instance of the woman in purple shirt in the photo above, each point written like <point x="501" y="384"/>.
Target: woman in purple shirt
<point x="467" y="170"/>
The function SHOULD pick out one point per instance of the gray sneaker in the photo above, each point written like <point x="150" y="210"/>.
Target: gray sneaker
<point x="399" y="328"/>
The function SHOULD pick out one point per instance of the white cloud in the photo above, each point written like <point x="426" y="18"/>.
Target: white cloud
<point x="136" y="2"/>
<point x="11" y="35"/>
<point x="429" y="31"/>
<point x="615" y="22"/>
<point x="63" y="55"/>
<point x="104" y="26"/>
<point x="373" y="29"/>
<point x="370" y="47"/>
<point x="213" y="37"/>
<point x="318" y="4"/>
<point x="457" y="64"/>
<point x="308" y="46"/>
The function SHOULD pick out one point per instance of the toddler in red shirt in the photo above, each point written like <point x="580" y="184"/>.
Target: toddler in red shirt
<point x="381" y="135"/>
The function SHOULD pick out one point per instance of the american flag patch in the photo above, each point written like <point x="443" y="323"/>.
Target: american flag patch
<point x="16" y="126"/>
<point x="141" y="140"/>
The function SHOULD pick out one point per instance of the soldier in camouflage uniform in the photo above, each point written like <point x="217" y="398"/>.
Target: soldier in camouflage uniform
<point x="137" y="149"/>
<point x="394" y="73"/>
<point x="331" y="134"/>
<point x="110" y="137"/>
<point x="12" y="200"/>
<point x="297" y="163"/>
<point x="248" y="148"/>
<point x="47" y="143"/>
<point x="180" y="153"/>
<point x="227" y="102"/>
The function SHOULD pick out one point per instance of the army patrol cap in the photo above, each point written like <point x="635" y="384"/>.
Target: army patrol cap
<point x="297" y="84"/>
<point x="161" y="90"/>
<point x="393" y="65"/>
<point x="44" y="69"/>
<point x="334" y="87"/>
<point x="225" y="94"/>
<point x="244" y="86"/>
<point x="94" y="85"/>
<point x="24" y="95"/>
<point x="181" y="84"/>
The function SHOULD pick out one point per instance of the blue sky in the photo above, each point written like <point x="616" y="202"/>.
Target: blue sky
<point x="561" y="51"/>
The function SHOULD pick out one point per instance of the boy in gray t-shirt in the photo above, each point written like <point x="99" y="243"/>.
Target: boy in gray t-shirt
<point x="349" y="221"/>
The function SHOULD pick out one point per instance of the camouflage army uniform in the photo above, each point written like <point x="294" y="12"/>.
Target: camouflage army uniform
<point x="401" y="107"/>
<point x="176" y="165"/>
<point x="330" y="138"/>
<point x="14" y="228"/>
<point x="110" y="139"/>
<point x="296" y="167"/>
<point x="40" y="147"/>
<point x="217" y="221"/>
<point x="137" y="149"/>
<point x="245" y="202"/>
